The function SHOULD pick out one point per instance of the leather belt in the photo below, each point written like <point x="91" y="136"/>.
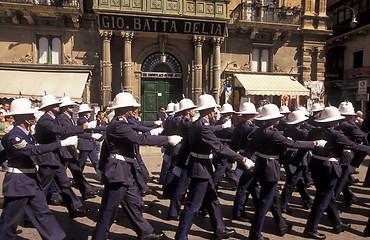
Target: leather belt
<point x="122" y="158"/>
<point x="273" y="157"/>
<point x="21" y="170"/>
<point x="201" y="156"/>
<point x="330" y="159"/>
<point x="224" y="139"/>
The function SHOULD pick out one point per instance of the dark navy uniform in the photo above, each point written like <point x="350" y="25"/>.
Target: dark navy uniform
<point x="22" y="190"/>
<point x="202" y="142"/>
<point x="47" y="131"/>
<point x="269" y="143"/>
<point x="118" y="155"/>
<point x="69" y="156"/>
<point x="326" y="169"/>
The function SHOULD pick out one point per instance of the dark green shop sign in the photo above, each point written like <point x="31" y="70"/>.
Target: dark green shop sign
<point x="162" y="25"/>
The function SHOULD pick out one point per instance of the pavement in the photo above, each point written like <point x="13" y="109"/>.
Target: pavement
<point x="82" y="228"/>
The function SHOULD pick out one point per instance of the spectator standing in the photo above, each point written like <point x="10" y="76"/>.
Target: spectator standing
<point x="8" y="123"/>
<point x="2" y="133"/>
<point x="161" y="114"/>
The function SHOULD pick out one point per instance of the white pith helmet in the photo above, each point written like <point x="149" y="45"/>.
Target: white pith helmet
<point x="347" y="109"/>
<point x="186" y="104"/>
<point x="48" y="100"/>
<point x="303" y="110"/>
<point x="284" y="110"/>
<point x="295" y="117"/>
<point x="227" y="108"/>
<point x="176" y="107"/>
<point x="123" y="99"/>
<point x="136" y="105"/>
<point x="66" y="101"/>
<point x="268" y="112"/>
<point x="170" y="107"/>
<point x="329" y="114"/>
<point x="247" y="108"/>
<point x="84" y="108"/>
<point x="316" y="107"/>
<point x="21" y="106"/>
<point x="345" y="103"/>
<point x="206" y="101"/>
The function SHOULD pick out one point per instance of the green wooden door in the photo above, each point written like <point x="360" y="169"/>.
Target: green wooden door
<point x="157" y="93"/>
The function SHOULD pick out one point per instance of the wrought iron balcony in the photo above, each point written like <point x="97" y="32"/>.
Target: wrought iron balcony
<point x="60" y="3"/>
<point x="267" y="14"/>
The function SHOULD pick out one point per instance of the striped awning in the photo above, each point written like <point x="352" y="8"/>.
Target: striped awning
<point x="256" y="84"/>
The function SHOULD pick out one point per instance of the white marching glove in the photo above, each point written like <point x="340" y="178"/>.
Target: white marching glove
<point x="96" y="136"/>
<point x="290" y="138"/>
<point x="156" y="131"/>
<point x="249" y="163"/>
<point x="321" y="143"/>
<point x="91" y="124"/>
<point x="158" y="122"/>
<point x="227" y="124"/>
<point x="174" y="140"/>
<point x="69" y="141"/>
<point x="177" y="171"/>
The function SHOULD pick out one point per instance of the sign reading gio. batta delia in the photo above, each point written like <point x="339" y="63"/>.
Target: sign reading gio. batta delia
<point x="161" y="25"/>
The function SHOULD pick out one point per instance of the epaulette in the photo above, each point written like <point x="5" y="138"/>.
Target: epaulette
<point x="21" y="143"/>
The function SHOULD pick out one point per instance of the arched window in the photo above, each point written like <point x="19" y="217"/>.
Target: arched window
<point x="43" y="48"/>
<point x="255" y="59"/>
<point x="260" y="59"/>
<point x="264" y="60"/>
<point x="49" y="49"/>
<point x="56" y="50"/>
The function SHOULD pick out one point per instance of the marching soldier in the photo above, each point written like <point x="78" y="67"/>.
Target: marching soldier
<point x="21" y="188"/>
<point x="117" y="166"/>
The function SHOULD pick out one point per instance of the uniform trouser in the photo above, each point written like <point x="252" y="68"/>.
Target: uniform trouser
<point x="179" y="195"/>
<point x="201" y="191"/>
<point x="114" y="195"/>
<point x="140" y="178"/>
<point x="58" y="173"/>
<point x="93" y="156"/>
<point x="165" y="166"/>
<point x="247" y="185"/>
<point x="37" y="211"/>
<point x="324" y="200"/>
<point x="342" y="185"/>
<point x="222" y="167"/>
<point x="141" y="163"/>
<point x="81" y="183"/>
<point x="294" y="180"/>
<point x="269" y="199"/>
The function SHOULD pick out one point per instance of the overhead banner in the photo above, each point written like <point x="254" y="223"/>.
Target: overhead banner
<point x="161" y="25"/>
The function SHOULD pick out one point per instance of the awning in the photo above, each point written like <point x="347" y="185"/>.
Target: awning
<point x="33" y="84"/>
<point x="270" y="85"/>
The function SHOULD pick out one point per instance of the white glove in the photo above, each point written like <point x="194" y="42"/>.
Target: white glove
<point x="174" y="140"/>
<point x="96" y="136"/>
<point x="177" y="171"/>
<point x="227" y="124"/>
<point x="321" y="143"/>
<point x="159" y="122"/>
<point x="249" y="163"/>
<point x="69" y="141"/>
<point x="290" y="138"/>
<point x="91" y="124"/>
<point x="156" y="131"/>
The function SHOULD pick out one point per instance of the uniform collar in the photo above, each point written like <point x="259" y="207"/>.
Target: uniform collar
<point x="51" y="115"/>
<point x="23" y="130"/>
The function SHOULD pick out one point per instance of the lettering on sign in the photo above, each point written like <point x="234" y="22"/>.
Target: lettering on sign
<point x="163" y="25"/>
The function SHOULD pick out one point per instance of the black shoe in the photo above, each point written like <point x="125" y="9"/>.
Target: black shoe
<point x="54" y="202"/>
<point x="154" y="236"/>
<point x="356" y="180"/>
<point x="242" y="219"/>
<point x="341" y="228"/>
<point x="203" y="213"/>
<point x="349" y="203"/>
<point x="355" y="172"/>
<point x="367" y="232"/>
<point x="176" y="218"/>
<point x="89" y="195"/>
<point x="314" y="235"/>
<point x="225" y="234"/>
<point x="286" y="210"/>
<point x="148" y="206"/>
<point x="310" y="184"/>
<point x="307" y="204"/>
<point x="287" y="228"/>
<point x="79" y="212"/>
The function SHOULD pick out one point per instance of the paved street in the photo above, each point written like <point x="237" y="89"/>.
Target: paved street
<point x="82" y="228"/>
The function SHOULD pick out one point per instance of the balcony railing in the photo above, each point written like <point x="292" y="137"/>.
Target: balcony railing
<point x="268" y="14"/>
<point x="60" y="3"/>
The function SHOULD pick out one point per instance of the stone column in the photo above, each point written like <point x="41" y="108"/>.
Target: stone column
<point x="127" y="61"/>
<point x="321" y="63"/>
<point x="107" y="68"/>
<point x="198" y="44"/>
<point x="307" y="60"/>
<point x="217" y="42"/>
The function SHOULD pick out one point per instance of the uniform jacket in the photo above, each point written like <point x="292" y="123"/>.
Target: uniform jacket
<point x="184" y="150"/>
<point x="270" y="141"/>
<point x="336" y="142"/>
<point x="202" y="140"/>
<point x="22" y="151"/>
<point x="120" y="140"/>
<point x="68" y="152"/>
<point x="47" y="131"/>
<point x="242" y="136"/>
<point x="226" y="133"/>
<point x="282" y="124"/>
<point x="139" y="125"/>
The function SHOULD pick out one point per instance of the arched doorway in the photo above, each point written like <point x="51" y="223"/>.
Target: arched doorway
<point x="161" y="82"/>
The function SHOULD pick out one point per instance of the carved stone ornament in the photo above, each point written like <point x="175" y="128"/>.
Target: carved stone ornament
<point x="156" y="4"/>
<point x="277" y="68"/>
<point x="127" y="35"/>
<point x="26" y="59"/>
<point x="69" y="60"/>
<point x="198" y="40"/>
<point x="107" y="35"/>
<point x="191" y="7"/>
<point x="210" y="8"/>
<point x="217" y="41"/>
<point x="172" y="5"/>
<point x="137" y="3"/>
